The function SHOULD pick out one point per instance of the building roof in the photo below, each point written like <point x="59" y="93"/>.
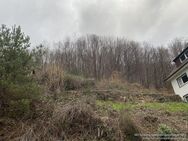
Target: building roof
<point x="181" y="53"/>
<point x="176" y="70"/>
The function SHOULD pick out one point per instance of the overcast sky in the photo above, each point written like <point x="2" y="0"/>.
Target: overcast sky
<point x="155" y="21"/>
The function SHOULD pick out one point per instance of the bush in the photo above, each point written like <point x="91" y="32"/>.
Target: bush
<point x="73" y="121"/>
<point x="164" y="132"/>
<point x="73" y="82"/>
<point x="51" y="76"/>
<point x="55" y="79"/>
<point x="87" y="83"/>
<point x="17" y="99"/>
<point x="19" y="108"/>
<point x="128" y="127"/>
<point x="78" y="118"/>
<point x="25" y="91"/>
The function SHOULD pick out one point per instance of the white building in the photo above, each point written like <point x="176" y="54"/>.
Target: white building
<point x="179" y="76"/>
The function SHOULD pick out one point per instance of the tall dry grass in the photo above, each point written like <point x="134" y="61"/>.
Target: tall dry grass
<point x="72" y="121"/>
<point x="117" y="83"/>
<point x="51" y="76"/>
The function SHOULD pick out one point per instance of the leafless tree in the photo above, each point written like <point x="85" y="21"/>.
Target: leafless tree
<point x="98" y="57"/>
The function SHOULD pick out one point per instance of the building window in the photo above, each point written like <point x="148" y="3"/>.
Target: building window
<point x="182" y="80"/>
<point x="186" y="98"/>
<point x="182" y="57"/>
<point x="186" y="53"/>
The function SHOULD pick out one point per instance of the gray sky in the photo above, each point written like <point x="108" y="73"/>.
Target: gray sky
<point x="155" y="21"/>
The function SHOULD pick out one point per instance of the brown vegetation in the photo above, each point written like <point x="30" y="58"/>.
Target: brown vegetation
<point x="46" y="95"/>
<point x="98" y="57"/>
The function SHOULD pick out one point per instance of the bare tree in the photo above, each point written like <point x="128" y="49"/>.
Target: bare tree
<point x="98" y="57"/>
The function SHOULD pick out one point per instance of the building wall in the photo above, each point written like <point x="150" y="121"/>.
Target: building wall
<point x="184" y="89"/>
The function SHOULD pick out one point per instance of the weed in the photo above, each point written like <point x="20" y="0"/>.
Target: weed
<point x="164" y="132"/>
<point x="128" y="127"/>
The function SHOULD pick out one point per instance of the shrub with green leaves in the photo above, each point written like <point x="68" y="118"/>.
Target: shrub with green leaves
<point x="16" y="65"/>
<point x="19" y="108"/>
<point x="164" y="132"/>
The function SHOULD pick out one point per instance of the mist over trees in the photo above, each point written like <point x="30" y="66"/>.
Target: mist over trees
<point x="99" y="57"/>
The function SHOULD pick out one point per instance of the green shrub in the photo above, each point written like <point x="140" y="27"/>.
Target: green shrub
<point x="19" y="108"/>
<point x="17" y="88"/>
<point x="17" y="99"/>
<point x="164" y="132"/>
<point x="25" y="91"/>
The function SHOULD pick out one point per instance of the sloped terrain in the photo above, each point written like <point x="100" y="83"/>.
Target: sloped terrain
<point x="104" y="111"/>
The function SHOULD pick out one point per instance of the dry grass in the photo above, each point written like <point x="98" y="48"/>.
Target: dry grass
<point x="55" y="80"/>
<point x="128" y="127"/>
<point x="51" y="76"/>
<point x="117" y="84"/>
<point x="72" y="121"/>
<point x="76" y="118"/>
<point x="81" y="120"/>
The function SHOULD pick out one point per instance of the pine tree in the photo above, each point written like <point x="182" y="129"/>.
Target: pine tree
<point x="16" y="63"/>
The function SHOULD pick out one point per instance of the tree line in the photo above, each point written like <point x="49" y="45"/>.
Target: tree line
<point x="99" y="57"/>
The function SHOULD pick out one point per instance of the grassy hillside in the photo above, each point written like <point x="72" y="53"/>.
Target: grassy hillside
<point x="73" y="108"/>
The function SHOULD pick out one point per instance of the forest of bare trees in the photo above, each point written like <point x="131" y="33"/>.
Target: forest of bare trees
<point x="98" y="57"/>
